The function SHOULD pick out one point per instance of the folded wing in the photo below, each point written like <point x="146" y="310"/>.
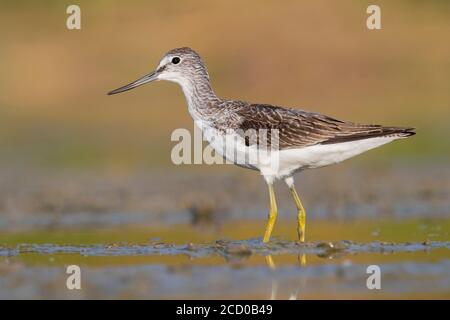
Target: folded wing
<point x="298" y="129"/>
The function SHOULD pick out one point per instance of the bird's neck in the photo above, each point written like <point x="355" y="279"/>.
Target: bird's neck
<point x="200" y="96"/>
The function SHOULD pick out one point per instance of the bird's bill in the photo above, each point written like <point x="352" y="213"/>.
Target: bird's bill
<point x="145" y="79"/>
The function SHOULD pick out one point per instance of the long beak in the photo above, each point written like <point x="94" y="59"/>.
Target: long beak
<point x="147" y="78"/>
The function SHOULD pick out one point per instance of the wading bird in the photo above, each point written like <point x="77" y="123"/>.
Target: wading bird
<point x="305" y="140"/>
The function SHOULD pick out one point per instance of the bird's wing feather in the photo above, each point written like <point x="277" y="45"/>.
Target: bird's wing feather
<point x="298" y="129"/>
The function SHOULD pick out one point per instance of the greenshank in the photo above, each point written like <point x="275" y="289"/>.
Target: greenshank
<point x="296" y="139"/>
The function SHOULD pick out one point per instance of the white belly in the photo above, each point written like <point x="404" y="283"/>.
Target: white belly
<point x="282" y="164"/>
<point x="232" y="148"/>
<point x="321" y="155"/>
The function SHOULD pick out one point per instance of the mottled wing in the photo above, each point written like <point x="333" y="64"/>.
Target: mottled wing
<point x="297" y="129"/>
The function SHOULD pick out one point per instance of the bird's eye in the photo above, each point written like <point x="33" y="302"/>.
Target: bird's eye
<point x="175" y="60"/>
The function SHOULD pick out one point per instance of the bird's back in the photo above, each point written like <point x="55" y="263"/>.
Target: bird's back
<point x="297" y="128"/>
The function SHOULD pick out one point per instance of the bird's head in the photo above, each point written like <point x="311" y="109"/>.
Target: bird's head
<point x="180" y="65"/>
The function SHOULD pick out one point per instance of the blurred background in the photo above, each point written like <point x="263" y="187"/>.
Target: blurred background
<point x="82" y="168"/>
<point x="317" y="56"/>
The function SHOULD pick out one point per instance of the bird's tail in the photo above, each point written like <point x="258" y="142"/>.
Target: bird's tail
<point x="400" y="132"/>
<point x="362" y="132"/>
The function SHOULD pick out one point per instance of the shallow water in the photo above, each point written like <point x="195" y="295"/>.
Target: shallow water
<point x="179" y="234"/>
<point x="158" y="262"/>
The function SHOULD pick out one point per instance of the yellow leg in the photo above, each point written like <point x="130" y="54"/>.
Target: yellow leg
<point x="301" y="215"/>
<point x="272" y="214"/>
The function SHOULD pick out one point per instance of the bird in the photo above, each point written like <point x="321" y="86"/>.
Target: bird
<point x="294" y="140"/>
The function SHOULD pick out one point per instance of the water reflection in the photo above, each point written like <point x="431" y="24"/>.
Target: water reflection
<point x="293" y="294"/>
<point x="158" y="263"/>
